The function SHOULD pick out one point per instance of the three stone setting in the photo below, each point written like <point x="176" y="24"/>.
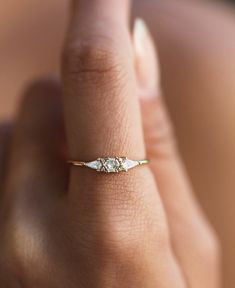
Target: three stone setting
<point x="112" y="164"/>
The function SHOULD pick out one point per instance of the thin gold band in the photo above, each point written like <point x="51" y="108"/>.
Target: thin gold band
<point x="77" y="163"/>
<point x="110" y="164"/>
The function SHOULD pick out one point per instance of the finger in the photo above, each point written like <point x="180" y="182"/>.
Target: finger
<point x="103" y="118"/>
<point x="102" y="111"/>
<point x="37" y="167"/>
<point x="5" y="140"/>
<point x="193" y="240"/>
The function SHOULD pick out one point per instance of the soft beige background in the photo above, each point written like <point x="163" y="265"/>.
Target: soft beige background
<point x="31" y="34"/>
<point x="196" y="43"/>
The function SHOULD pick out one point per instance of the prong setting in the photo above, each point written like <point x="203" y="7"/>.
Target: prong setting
<point x="111" y="164"/>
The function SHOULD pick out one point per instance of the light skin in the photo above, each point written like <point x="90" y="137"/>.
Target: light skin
<point x="72" y="227"/>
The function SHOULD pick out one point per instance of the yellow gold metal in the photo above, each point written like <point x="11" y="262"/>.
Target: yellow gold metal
<point x="142" y="162"/>
<point x="77" y="163"/>
<point x="110" y="164"/>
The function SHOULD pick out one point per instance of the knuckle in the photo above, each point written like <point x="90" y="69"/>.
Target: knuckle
<point x="92" y="60"/>
<point x="210" y="248"/>
<point x="133" y="215"/>
<point x="129" y="222"/>
<point x="127" y="235"/>
<point x="200" y="238"/>
<point x="206" y="244"/>
<point x="122" y="244"/>
<point x="124" y="238"/>
<point x="38" y="87"/>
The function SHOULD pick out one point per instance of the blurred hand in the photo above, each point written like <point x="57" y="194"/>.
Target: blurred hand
<point x="137" y="229"/>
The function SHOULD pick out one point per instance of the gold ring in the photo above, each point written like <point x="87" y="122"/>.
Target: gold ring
<point x="110" y="164"/>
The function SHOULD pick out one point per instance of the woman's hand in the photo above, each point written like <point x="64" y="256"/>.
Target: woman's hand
<point x="136" y="229"/>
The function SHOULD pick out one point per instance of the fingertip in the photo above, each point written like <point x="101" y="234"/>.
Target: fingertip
<point x="146" y="60"/>
<point x="42" y="93"/>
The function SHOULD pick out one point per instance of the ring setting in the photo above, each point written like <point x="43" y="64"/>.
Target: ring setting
<point x="110" y="164"/>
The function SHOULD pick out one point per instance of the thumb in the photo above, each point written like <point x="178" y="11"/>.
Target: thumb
<point x="147" y="66"/>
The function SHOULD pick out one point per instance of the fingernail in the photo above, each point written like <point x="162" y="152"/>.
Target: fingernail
<point x="147" y="68"/>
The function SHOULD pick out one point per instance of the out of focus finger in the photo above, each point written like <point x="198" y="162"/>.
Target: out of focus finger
<point x="193" y="240"/>
<point x="37" y="169"/>
<point x="5" y="142"/>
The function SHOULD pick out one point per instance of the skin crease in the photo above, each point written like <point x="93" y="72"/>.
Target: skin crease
<point x="222" y="173"/>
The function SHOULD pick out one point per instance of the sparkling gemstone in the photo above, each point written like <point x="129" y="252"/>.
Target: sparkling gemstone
<point x="112" y="165"/>
<point x="127" y="164"/>
<point x="94" y="165"/>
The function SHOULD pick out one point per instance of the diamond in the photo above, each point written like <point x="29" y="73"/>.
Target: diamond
<point x="94" y="165"/>
<point x="128" y="164"/>
<point x="112" y="165"/>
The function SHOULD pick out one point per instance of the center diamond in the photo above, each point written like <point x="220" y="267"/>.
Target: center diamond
<point x="112" y="165"/>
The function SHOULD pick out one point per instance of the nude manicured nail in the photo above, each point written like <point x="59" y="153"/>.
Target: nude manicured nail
<point x="147" y="68"/>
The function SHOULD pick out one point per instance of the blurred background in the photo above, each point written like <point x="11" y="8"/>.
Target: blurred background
<point x="196" y="45"/>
